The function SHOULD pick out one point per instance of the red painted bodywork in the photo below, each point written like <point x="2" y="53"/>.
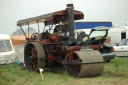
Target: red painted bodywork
<point x="51" y="57"/>
<point x="94" y="47"/>
<point x="56" y="36"/>
<point x="77" y="48"/>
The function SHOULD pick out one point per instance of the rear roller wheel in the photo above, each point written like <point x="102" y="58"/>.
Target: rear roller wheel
<point x="86" y="70"/>
<point x="34" y="56"/>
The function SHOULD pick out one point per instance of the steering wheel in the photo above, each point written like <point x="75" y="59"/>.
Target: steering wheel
<point x="34" y="36"/>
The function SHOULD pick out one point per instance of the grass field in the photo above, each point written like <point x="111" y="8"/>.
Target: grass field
<point x="115" y="73"/>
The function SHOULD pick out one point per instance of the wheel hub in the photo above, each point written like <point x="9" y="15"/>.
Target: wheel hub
<point x="31" y="58"/>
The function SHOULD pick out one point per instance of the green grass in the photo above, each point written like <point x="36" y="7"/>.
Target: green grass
<point x="115" y="73"/>
<point x="117" y="66"/>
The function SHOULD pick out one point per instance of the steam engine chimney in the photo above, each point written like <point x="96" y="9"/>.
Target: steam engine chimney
<point x="70" y="10"/>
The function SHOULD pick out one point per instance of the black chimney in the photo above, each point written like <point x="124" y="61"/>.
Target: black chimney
<point x="70" y="11"/>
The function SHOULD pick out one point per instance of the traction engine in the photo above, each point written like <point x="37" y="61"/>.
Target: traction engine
<point x="61" y="49"/>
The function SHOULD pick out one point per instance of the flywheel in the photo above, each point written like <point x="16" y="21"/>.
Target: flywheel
<point x="83" y="69"/>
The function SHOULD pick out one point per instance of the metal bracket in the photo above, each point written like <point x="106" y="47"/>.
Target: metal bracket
<point x="80" y="62"/>
<point x="24" y="33"/>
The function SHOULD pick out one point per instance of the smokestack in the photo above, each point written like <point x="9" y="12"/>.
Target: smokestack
<point x="70" y="10"/>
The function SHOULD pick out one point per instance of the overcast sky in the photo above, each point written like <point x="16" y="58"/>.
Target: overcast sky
<point x="94" y="10"/>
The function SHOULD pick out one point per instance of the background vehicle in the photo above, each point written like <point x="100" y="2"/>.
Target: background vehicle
<point x="87" y="26"/>
<point x="117" y="34"/>
<point x="91" y="25"/>
<point x="57" y="47"/>
<point x="121" y="48"/>
<point x="7" y="54"/>
<point x="100" y="35"/>
<point x="97" y="37"/>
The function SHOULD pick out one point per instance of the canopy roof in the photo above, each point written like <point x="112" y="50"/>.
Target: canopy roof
<point x="55" y="16"/>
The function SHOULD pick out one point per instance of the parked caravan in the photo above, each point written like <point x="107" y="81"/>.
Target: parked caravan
<point x="117" y="34"/>
<point x="7" y="54"/>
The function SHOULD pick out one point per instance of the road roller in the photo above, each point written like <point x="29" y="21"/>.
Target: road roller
<point x="55" y="46"/>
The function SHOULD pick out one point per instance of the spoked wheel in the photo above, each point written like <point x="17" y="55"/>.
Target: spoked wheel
<point x="86" y="70"/>
<point x="34" y="56"/>
<point x="73" y="69"/>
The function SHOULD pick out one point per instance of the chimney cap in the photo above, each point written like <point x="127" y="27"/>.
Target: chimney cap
<point x="69" y="5"/>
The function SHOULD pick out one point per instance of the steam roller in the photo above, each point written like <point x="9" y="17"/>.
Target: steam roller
<point x="35" y="57"/>
<point x="56" y="47"/>
<point x="88" y="67"/>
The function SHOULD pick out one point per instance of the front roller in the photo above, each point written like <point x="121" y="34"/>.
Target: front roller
<point x="90" y="65"/>
<point x="34" y="56"/>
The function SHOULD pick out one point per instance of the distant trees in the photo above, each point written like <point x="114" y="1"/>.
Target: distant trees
<point x="20" y="32"/>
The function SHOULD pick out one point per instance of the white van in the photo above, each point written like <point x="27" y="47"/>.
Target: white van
<point x="7" y="54"/>
<point x="117" y="34"/>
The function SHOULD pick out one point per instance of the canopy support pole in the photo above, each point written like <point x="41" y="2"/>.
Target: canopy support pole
<point x="28" y="31"/>
<point x="49" y="26"/>
<point x="24" y="33"/>
<point x="38" y="27"/>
